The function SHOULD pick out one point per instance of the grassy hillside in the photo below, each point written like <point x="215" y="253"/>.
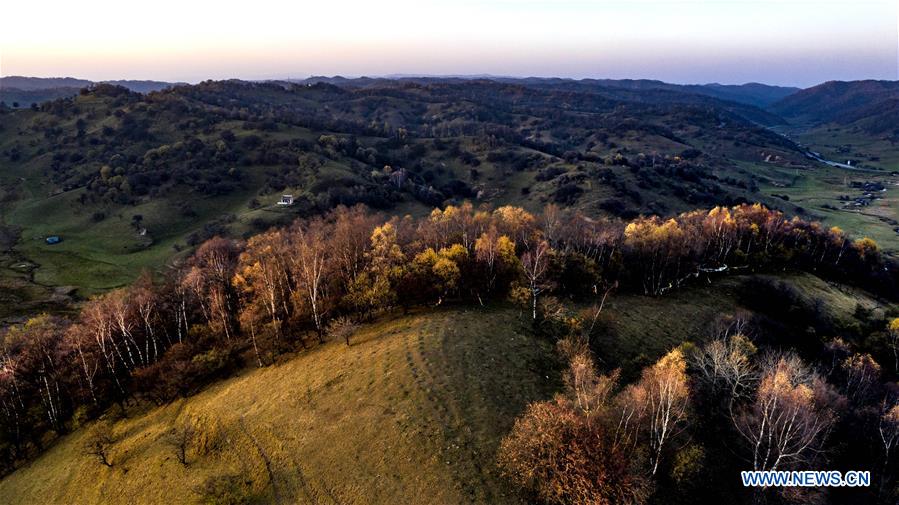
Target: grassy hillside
<point x="411" y="412"/>
<point x="414" y="409"/>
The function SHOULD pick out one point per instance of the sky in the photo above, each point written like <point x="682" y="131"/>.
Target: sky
<point x="785" y="42"/>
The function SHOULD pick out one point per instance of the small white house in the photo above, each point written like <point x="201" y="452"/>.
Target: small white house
<point x="286" y="200"/>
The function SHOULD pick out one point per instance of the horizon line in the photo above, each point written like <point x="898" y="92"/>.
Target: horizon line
<point x="402" y="76"/>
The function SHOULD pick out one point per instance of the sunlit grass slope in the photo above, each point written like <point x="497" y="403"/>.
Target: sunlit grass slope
<point x="412" y="412"/>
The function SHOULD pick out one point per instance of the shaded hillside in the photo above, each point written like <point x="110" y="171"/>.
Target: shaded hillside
<point x="753" y="93"/>
<point x="144" y="86"/>
<point x="870" y="106"/>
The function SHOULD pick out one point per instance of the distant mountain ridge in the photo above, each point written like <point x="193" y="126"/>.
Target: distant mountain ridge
<point x="755" y="94"/>
<point x="27" y="90"/>
<point x="872" y="106"/>
<point x="36" y="83"/>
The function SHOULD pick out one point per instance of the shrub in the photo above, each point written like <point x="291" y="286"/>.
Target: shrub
<point x="342" y="328"/>
<point x="182" y="371"/>
<point x="99" y="443"/>
<point x="687" y="464"/>
<point x="566" y="459"/>
<point x="229" y="489"/>
<point x="180" y="439"/>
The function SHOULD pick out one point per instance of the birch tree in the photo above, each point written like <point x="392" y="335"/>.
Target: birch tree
<point x="787" y="422"/>
<point x="888" y="430"/>
<point x="663" y="389"/>
<point x="311" y="263"/>
<point x="536" y="266"/>
<point x="214" y="264"/>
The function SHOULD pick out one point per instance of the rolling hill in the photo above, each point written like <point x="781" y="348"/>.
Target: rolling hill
<point x="129" y="180"/>
<point x="870" y="106"/>
<point x="133" y="181"/>
<point x="413" y="410"/>
<point x="753" y="94"/>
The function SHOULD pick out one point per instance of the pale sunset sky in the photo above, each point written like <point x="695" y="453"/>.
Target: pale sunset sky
<point x="789" y="42"/>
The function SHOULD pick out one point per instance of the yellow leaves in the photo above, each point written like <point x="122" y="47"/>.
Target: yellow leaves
<point x="861" y="364"/>
<point x="444" y="264"/>
<point x="456" y="253"/>
<point x="631" y="230"/>
<point x="652" y="231"/>
<point x="514" y="216"/>
<point x="787" y="382"/>
<point x="722" y="217"/>
<point x="450" y="212"/>
<point x="495" y="251"/>
<point x="448" y="271"/>
<point x="520" y="295"/>
<point x="484" y="244"/>
<point x="671" y="227"/>
<point x="805" y="393"/>
<point x="894" y="325"/>
<point x="436" y="215"/>
<point x="382" y="235"/>
<point x="687" y="463"/>
<point x="239" y="281"/>
<point x="865" y="247"/>
<point x="385" y="252"/>
<point x="674" y="364"/>
<point x="716" y="211"/>
<point x="506" y="249"/>
<point x="742" y="346"/>
<point x="426" y="258"/>
<point x="37" y="321"/>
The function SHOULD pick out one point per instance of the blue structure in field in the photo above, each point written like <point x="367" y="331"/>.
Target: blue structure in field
<point x="54" y="239"/>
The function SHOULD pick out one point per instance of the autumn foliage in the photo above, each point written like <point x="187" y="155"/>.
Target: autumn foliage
<point x="234" y="302"/>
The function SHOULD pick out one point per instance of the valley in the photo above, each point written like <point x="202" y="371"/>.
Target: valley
<point x="436" y="289"/>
